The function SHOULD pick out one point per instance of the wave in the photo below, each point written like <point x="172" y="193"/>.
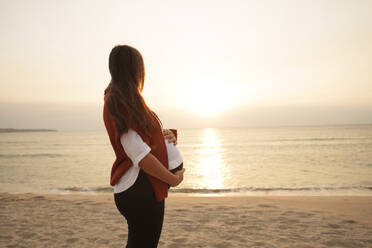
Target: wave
<point x="267" y="189"/>
<point x="266" y="142"/>
<point x="224" y="191"/>
<point x="87" y="189"/>
<point x="315" y="139"/>
<point x="18" y="142"/>
<point x="32" y="155"/>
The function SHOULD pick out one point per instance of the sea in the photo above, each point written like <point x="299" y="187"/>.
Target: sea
<point x="296" y="160"/>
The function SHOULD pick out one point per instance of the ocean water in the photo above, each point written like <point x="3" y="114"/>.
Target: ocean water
<point x="312" y="160"/>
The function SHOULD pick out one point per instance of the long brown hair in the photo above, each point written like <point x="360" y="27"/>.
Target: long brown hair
<point x="124" y="101"/>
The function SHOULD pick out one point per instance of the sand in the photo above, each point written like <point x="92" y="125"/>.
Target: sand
<point x="31" y="220"/>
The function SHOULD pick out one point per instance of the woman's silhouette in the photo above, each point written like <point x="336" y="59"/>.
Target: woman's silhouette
<point x="140" y="174"/>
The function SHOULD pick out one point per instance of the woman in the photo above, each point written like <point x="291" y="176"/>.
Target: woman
<point x="140" y="174"/>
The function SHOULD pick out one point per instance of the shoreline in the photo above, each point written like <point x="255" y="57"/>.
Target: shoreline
<point x="353" y="191"/>
<point x="17" y="130"/>
<point x="82" y="220"/>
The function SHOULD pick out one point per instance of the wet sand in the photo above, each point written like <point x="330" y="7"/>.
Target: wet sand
<point x="32" y="220"/>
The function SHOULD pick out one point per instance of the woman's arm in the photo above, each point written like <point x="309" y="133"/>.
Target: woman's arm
<point x="151" y="165"/>
<point x="139" y="153"/>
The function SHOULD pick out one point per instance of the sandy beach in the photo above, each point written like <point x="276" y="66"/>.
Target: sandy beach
<point x="31" y="220"/>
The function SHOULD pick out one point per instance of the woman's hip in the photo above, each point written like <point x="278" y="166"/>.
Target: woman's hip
<point x="139" y="195"/>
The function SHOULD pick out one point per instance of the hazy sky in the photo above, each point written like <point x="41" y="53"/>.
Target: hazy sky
<point x="208" y="63"/>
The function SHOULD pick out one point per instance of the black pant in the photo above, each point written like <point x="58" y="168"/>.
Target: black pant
<point x="143" y="213"/>
<point x="176" y="169"/>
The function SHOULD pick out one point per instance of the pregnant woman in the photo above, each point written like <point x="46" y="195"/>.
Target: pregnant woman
<point x="147" y="162"/>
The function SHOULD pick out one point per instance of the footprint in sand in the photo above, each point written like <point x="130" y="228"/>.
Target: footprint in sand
<point x="348" y="222"/>
<point x="335" y="226"/>
<point x="72" y="240"/>
<point x="266" y="206"/>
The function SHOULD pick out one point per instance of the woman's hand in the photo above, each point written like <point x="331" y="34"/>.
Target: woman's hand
<point x="151" y="165"/>
<point x="178" y="177"/>
<point x="169" y="135"/>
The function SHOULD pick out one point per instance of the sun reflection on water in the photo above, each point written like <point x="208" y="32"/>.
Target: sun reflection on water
<point x="210" y="163"/>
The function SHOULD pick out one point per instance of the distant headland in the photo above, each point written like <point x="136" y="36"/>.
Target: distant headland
<point x="14" y="130"/>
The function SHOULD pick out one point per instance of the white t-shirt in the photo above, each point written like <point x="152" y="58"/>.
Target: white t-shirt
<point x="137" y="149"/>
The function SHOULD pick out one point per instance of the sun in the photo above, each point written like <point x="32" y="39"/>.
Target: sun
<point x="210" y="99"/>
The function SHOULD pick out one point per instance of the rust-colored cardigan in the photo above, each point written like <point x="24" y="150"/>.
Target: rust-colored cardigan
<point x="122" y="161"/>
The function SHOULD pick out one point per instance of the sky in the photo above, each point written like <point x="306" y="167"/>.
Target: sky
<point x="209" y="63"/>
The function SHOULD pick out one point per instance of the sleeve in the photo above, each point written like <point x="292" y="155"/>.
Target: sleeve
<point x="134" y="146"/>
